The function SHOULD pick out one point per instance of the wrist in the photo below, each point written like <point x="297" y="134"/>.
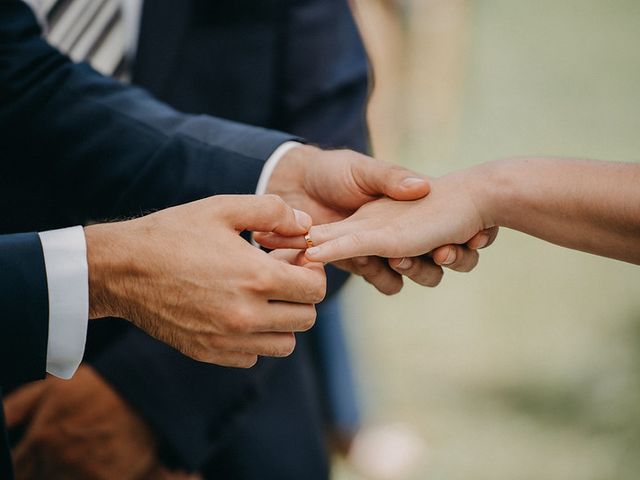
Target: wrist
<point x="496" y="192"/>
<point x="109" y="260"/>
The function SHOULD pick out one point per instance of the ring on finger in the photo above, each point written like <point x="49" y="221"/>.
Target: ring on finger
<point x="307" y="238"/>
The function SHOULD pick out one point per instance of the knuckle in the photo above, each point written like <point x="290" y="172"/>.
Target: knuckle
<point x="276" y="203"/>
<point x="262" y="280"/>
<point x="215" y="342"/>
<point x="242" y="321"/>
<point x="239" y="325"/>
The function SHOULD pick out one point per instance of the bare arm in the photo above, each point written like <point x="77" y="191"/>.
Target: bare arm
<point x="585" y="205"/>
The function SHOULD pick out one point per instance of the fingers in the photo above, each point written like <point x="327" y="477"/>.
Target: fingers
<point x="376" y="271"/>
<point x="287" y="317"/>
<point x="20" y="404"/>
<point x="270" y="344"/>
<point x="349" y="246"/>
<point x="318" y="234"/>
<point x="456" y="257"/>
<point x="299" y="284"/>
<point x="291" y="256"/>
<point x="483" y="239"/>
<point x="276" y="241"/>
<point x="421" y="270"/>
<point x="228" y="359"/>
<point x="264" y="213"/>
<point x="376" y="178"/>
<point x="264" y="344"/>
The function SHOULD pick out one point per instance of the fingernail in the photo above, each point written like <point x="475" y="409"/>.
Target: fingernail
<point x="451" y="257"/>
<point x="405" y="264"/>
<point x="313" y="251"/>
<point x="412" y="181"/>
<point x="303" y="219"/>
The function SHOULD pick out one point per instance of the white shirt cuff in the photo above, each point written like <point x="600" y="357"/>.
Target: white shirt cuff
<point x="65" y="259"/>
<point x="270" y="165"/>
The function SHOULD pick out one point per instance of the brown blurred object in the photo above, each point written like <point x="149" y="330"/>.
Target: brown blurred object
<point x="80" y="429"/>
<point x="416" y="48"/>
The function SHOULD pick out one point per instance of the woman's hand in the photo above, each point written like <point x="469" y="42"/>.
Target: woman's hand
<point x="439" y="224"/>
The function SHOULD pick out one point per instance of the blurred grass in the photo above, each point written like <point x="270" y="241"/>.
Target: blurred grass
<point x="529" y="368"/>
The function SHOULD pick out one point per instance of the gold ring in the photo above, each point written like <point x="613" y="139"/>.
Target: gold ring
<point x="307" y="238"/>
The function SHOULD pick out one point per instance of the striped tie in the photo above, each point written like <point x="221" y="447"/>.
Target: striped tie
<point x="86" y="30"/>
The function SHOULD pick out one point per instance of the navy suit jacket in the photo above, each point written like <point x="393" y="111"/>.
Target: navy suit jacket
<point x="74" y="147"/>
<point x="294" y="65"/>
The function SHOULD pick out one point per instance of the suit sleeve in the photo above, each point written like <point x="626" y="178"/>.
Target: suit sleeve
<point x="24" y="310"/>
<point x="102" y="149"/>
<point x="190" y="405"/>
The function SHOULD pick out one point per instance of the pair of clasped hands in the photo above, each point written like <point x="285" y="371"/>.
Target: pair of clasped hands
<point x="186" y="276"/>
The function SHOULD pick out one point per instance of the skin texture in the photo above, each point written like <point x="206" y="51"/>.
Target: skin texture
<point x="585" y="205"/>
<point x="172" y="262"/>
<point x="185" y="276"/>
<point x="332" y="185"/>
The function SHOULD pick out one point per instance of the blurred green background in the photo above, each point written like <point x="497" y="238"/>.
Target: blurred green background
<point x="528" y="368"/>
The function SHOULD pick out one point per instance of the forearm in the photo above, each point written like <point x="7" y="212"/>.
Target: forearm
<point x="585" y="205"/>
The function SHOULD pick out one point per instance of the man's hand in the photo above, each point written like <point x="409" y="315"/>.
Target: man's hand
<point x="78" y="429"/>
<point x="332" y="185"/>
<point x="186" y="277"/>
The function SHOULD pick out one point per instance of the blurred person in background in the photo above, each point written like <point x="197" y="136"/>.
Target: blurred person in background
<point x="187" y="54"/>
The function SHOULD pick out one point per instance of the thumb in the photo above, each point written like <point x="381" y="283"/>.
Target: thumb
<point x="19" y="405"/>
<point x="377" y="177"/>
<point x="265" y="213"/>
